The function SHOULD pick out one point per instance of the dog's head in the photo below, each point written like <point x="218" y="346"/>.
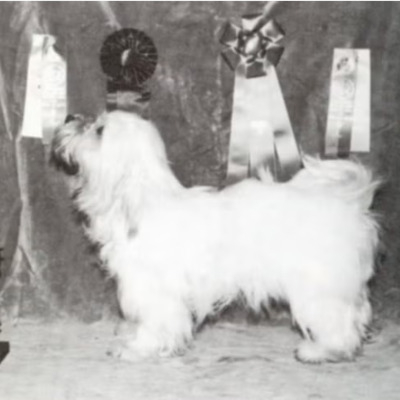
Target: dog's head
<point x="113" y="142"/>
<point x="113" y="160"/>
<point x="74" y="140"/>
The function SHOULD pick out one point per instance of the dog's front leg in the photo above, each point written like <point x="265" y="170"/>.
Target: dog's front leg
<point x="164" y="325"/>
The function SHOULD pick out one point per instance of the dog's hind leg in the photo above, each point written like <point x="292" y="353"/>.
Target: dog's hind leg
<point x="364" y="315"/>
<point x="331" y="327"/>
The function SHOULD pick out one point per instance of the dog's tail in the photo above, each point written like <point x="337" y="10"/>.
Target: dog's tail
<point x="347" y="179"/>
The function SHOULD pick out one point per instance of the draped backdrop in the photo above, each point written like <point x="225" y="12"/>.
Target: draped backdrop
<point x="48" y="269"/>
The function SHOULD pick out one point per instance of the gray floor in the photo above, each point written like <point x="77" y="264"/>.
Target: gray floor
<point x="68" y="361"/>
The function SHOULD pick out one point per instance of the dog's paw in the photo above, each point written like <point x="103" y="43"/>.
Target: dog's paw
<point x="135" y="351"/>
<point x="309" y="352"/>
<point x="313" y="353"/>
<point x="127" y="353"/>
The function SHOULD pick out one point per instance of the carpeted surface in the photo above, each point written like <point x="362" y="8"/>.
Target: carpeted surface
<point x="68" y="361"/>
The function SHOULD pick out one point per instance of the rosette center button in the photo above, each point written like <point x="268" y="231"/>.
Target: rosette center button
<point x="125" y="57"/>
<point x="252" y="44"/>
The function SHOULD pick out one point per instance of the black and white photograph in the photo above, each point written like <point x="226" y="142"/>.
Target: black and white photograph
<point x="199" y="200"/>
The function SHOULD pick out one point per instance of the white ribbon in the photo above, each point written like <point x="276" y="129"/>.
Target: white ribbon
<point x="349" y="126"/>
<point x="46" y="89"/>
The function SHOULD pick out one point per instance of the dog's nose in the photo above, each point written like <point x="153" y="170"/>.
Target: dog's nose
<point x="69" y="118"/>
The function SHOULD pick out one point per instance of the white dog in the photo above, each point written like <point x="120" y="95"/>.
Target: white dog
<point x="179" y="255"/>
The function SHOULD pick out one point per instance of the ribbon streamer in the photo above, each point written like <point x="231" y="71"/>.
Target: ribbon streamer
<point x="111" y="18"/>
<point x="46" y="92"/>
<point x="348" y="126"/>
<point x="261" y="133"/>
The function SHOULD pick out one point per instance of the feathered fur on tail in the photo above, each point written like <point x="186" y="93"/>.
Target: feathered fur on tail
<point x="346" y="178"/>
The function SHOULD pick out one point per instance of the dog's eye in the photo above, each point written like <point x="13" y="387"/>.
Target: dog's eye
<point x="99" y="131"/>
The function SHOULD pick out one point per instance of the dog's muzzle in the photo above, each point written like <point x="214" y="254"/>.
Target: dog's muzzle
<point x="58" y="157"/>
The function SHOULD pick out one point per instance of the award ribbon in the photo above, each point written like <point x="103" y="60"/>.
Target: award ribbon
<point x="46" y="89"/>
<point x="261" y="133"/>
<point x="128" y="57"/>
<point x="348" y="125"/>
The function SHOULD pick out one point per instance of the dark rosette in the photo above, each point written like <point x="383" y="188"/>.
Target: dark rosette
<point x="128" y="57"/>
